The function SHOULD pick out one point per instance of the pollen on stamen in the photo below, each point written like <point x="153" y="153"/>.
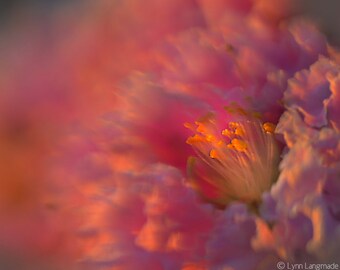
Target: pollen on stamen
<point x="239" y="131"/>
<point x="239" y="145"/>
<point x="269" y="127"/>
<point x="213" y="154"/>
<point x="226" y="132"/>
<point x="195" y="139"/>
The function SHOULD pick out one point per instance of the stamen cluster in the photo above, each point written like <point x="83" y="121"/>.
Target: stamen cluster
<point x="243" y="158"/>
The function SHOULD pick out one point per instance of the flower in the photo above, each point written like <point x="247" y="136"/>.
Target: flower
<point x="306" y="191"/>
<point x="97" y="108"/>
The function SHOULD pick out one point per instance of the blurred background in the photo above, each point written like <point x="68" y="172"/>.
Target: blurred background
<point x="324" y="13"/>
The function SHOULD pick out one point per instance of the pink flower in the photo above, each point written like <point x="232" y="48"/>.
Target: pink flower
<point x="94" y="144"/>
<point x="321" y="80"/>
<point x="307" y="190"/>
